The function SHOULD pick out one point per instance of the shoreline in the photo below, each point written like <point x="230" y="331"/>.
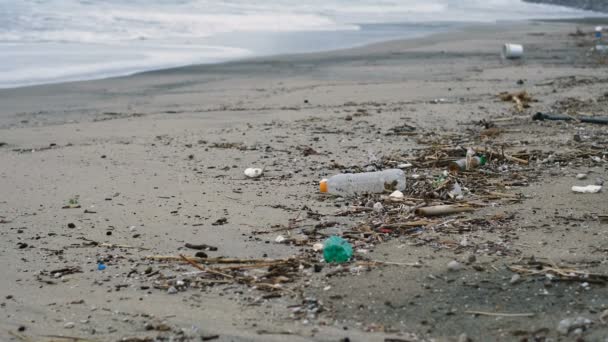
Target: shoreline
<point x="447" y="28"/>
<point x="443" y="27"/>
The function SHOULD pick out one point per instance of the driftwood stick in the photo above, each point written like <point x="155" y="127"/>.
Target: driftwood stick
<point x="260" y="265"/>
<point x="408" y="224"/>
<point x="498" y="314"/>
<point x="212" y="260"/>
<point x="193" y="263"/>
<point x="506" y="156"/>
<point x="440" y="210"/>
<point x="111" y="245"/>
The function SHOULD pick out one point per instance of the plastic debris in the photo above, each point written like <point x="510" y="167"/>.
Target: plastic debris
<point x="280" y="239"/>
<point x="589" y="189"/>
<point x="581" y="176"/>
<point x="361" y="183"/>
<point x="101" y="266"/>
<point x="512" y="51"/>
<point x="336" y="249"/>
<point x="602" y="120"/>
<point x="468" y="163"/>
<point x="456" y="192"/>
<point x="378" y="207"/>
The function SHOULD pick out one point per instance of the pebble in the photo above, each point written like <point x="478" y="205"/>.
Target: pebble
<point x="516" y="278"/>
<point x="472" y="258"/>
<point x="581" y="176"/>
<point x="568" y="324"/>
<point x="378" y="207"/>
<point x="396" y="195"/>
<point x="599" y="181"/>
<point x="69" y="325"/>
<point x="317" y="247"/>
<point x="172" y="290"/>
<point x="454" y="266"/>
<point x="253" y="172"/>
<point x="279" y="239"/>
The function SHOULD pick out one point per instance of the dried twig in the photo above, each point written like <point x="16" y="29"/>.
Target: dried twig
<point x="498" y="314"/>
<point x="193" y="263"/>
<point x="440" y="210"/>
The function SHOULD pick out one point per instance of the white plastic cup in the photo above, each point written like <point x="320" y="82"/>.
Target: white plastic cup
<point x="512" y="51"/>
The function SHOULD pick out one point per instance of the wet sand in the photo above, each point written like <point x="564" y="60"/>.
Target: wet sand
<point x="156" y="160"/>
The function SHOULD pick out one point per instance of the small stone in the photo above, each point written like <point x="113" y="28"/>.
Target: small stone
<point x="71" y="225"/>
<point x="516" y="278"/>
<point x="454" y="266"/>
<point x="279" y="239"/>
<point x="396" y="195"/>
<point x="172" y="290"/>
<point x="378" y="207"/>
<point x="599" y="181"/>
<point x="568" y="324"/>
<point x="253" y="172"/>
<point x="472" y="258"/>
<point x="69" y="325"/>
<point x="201" y="255"/>
<point x="348" y="118"/>
<point x="604" y="317"/>
<point x="581" y="176"/>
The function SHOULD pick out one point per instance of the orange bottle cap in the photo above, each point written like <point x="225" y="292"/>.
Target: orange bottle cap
<point x="323" y="186"/>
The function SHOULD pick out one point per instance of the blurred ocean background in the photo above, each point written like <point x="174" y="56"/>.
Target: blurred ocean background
<point x="45" y="41"/>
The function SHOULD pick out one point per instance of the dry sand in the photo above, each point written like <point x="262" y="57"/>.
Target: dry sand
<point x="136" y="154"/>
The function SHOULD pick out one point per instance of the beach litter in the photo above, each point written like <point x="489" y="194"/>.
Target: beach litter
<point x="512" y="51"/>
<point x="589" y="189"/>
<point x="601" y="120"/>
<point x="467" y="164"/>
<point x="337" y="250"/>
<point x="364" y="183"/>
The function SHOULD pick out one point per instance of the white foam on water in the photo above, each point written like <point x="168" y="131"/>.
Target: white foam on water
<point x="45" y="41"/>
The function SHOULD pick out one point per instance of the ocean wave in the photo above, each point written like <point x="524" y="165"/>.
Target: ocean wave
<point x="82" y="39"/>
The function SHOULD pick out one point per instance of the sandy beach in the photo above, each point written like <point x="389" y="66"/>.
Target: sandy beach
<point x="121" y="169"/>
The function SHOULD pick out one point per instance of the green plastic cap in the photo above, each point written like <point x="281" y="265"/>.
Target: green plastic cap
<point x="482" y="160"/>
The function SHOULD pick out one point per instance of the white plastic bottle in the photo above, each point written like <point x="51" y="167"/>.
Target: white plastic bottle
<point x="348" y="184"/>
